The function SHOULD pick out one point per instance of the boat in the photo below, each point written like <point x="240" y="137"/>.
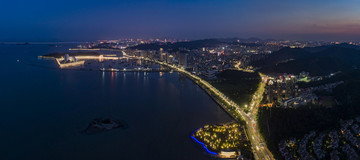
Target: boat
<point x="110" y="69"/>
<point x="113" y="70"/>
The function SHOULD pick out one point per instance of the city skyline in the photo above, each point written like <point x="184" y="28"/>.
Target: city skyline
<point x="92" y="20"/>
<point x="180" y="79"/>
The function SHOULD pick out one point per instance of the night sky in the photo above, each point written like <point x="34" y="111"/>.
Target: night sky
<point x="80" y="20"/>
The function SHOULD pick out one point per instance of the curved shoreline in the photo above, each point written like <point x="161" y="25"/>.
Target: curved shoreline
<point x="257" y="152"/>
<point x="203" y="145"/>
<point x="214" y="98"/>
<point x="230" y="107"/>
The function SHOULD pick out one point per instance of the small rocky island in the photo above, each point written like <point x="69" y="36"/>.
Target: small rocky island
<point x="100" y="125"/>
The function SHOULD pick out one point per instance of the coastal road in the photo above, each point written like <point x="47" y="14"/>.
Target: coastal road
<point x="259" y="147"/>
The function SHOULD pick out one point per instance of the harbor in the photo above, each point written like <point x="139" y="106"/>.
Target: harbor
<point x="94" y="61"/>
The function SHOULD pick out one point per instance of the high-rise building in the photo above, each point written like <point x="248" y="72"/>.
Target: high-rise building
<point x="210" y="74"/>
<point x="170" y="59"/>
<point x="183" y="59"/>
<point x="163" y="57"/>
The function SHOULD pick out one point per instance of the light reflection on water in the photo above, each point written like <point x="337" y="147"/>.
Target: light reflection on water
<point x="43" y="111"/>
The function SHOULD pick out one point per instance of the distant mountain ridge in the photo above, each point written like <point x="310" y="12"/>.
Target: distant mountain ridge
<point x="175" y="46"/>
<point x="321" y="48"/>
<point x="197" y="44"/>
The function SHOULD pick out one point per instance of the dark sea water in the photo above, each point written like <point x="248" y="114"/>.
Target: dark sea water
<point x="43" y="110"/>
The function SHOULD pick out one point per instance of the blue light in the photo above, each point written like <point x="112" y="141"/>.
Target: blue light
<point x="207" y="150"/>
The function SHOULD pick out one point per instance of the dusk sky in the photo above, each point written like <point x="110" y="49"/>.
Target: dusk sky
<point x="80" y="20"/>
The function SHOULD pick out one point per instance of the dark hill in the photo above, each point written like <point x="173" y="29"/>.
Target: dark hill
<point x="281" y="56"/>
<point x="331" y="59"/>
<point x="322" y="48"/>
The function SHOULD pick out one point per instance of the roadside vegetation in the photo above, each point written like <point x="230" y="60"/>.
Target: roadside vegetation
<point x="277" y="123"/>
<point x="237" y="85"/>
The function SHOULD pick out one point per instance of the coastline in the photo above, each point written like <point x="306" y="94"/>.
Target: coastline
<point x="257" y="152"/>
<point x="225" y="103"/>
<point x="223" y="107"/>
<point x="214" y="98"/>
<point x="70" y="119"/>
<point x="202" y="144"/>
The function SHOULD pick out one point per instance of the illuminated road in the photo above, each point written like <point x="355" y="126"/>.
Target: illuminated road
<point x="263" y="151"/>
<point x="258" y="146"/>
<point x="237" y="66"/>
